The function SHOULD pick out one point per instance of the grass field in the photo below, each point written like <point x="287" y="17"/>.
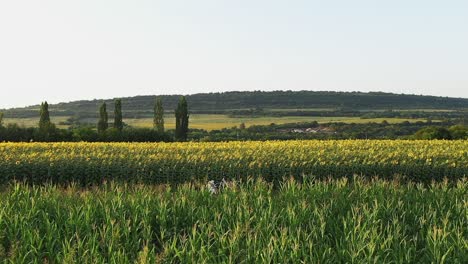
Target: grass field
<point x="334" y="221"/>
<point x="214" y="121"/>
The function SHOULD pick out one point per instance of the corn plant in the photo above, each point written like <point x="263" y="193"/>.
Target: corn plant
<point x="346" y="220"/>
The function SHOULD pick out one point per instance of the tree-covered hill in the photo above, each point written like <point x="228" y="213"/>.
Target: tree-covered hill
<point x="139" y="106"/>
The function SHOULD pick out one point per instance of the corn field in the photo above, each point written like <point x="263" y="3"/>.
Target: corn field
<point x="328" y="221"/>
<point x="94" y="163"/>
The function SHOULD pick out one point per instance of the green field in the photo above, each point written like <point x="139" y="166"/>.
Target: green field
<point x="215" y="121"/>
<point x="334" y="221"/>
<point x="285" y="202"/>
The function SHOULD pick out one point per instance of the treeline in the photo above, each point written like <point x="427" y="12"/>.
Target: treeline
<point x="342" y="112"/>
<point x="104" y="131"/>
<point x="313" y="130"/>
<point x="140" y="106"/>
<point x="118" y="131"/>
<point x="15" y="133"/>
<point x="418" y="130"/>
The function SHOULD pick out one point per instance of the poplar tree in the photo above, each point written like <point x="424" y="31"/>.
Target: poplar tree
<point x="1" y="119"/>
<point x="182" y="120"/>
<point x="44" y="120"/>
<point x="118" y="124"/>
<point x="158" y="120"/>
<point x="103" y="119"/>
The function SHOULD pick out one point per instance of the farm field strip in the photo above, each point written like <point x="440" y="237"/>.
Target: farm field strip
<point x="215" y="121"/>
<point x="93" y="163"/>
<point x="333" y="221"/>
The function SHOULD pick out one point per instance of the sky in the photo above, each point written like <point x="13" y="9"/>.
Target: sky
<point x="62" y="50"/>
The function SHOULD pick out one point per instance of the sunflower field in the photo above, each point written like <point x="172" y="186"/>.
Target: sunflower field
<point x="94" y="163"/>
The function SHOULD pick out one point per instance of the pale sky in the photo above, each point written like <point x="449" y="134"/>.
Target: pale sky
<point x="63" y="50"/>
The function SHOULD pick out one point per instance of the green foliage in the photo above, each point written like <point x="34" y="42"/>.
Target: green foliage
<point x="158" y="120"/>
<point x="47" y="133"/>
<point x="87" y="134"/>
<point x="103" y="122"/>
<point x="44" y="121"/>
<point x="47" y="129"/>
<point x="129" y="134"/>
<point x="341" y="130"/>
<point x="182" y="120"/>
<point x="433" y="132"/>
<point x="333" y="221"/>
<point x="15" y="133"/>
<point x="1" y="119"/>
<point x="118" y="123"/>
<point x="335" y="130"/>
<point x="459" y="132"/>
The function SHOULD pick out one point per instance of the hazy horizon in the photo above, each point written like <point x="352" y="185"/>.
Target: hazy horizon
<point x="67" y="51"/>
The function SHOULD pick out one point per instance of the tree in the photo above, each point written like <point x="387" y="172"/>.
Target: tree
<point x="47" y="130"/>
<point x="182" y="120"/>
<point x="1" y="119"/>
<point x="44" y="121"/>
<point x="103" y="119"/>
<point x="118" y="124"/>
<point x="433" y="132"/>
<point x="459" y="132"/>
<point x="158" y="120"/>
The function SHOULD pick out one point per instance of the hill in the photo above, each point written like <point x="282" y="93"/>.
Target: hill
<point x="141" y="106"/>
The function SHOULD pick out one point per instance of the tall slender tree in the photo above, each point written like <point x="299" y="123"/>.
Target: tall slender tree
<point x="182" y="120"/>
<point x="118" y="123"/>
<point x="1" y="119"/>
<point x="44" y="121"/>
<point x="158" y="120"/>
<point x="103" y="118"/>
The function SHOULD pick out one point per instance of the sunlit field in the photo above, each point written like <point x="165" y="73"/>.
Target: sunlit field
<point x="213" y="122"/>
<point x="155" y="163"/>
